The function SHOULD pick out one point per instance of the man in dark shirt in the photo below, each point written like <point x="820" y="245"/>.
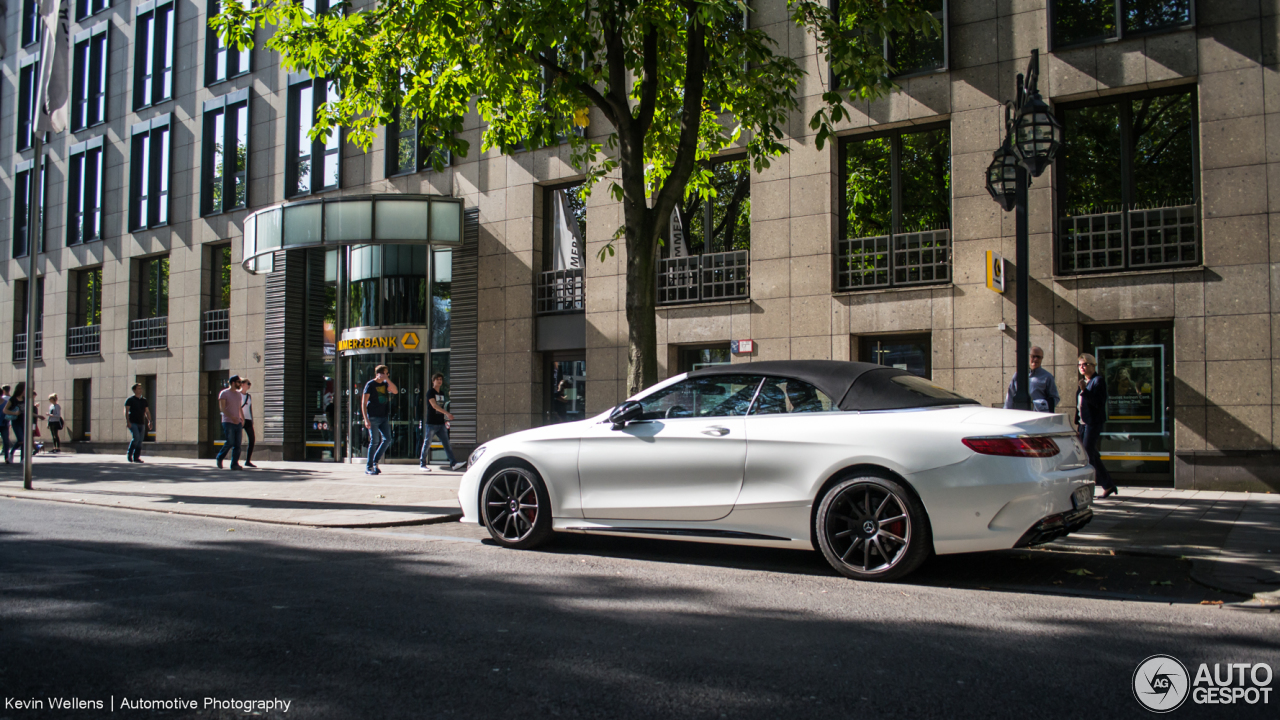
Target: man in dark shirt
<point x="137" y="415"/>
<point x="437" y="416"/>
<point x="375" y="405"/>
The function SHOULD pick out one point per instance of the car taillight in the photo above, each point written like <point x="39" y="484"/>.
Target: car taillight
<point x="1037" y="447"/>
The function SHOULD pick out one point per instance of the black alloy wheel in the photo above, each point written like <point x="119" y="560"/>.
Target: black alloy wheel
<point x="872" y="528"/>
<point x="516" y="508"/>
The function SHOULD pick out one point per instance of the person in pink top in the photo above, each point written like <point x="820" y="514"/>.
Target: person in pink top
<point x="229" y="401"/>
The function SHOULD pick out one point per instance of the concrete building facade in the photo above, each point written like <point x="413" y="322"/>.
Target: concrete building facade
<point x="1155" y="239"/>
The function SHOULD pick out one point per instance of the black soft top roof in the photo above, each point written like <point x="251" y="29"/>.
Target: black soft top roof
<point x="852" y="385"/>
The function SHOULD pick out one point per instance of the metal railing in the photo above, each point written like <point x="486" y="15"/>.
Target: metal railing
<point x="149" y="334"/>
<point x="20" y="346"/>
<point x="217" y="326"/>
<point x="561" y="291"/>
<point x="1129" y="239"/>
<point x="904" y="259"/>
<point x="705" y="278"/>
<point x="84" y="340"/>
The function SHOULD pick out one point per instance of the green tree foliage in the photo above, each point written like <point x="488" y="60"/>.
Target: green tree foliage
<point x="677" y="81"/>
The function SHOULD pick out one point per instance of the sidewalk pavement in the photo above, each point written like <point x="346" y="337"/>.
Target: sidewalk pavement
<point x="1231" y="539"/>
<point x="290" y="493"/>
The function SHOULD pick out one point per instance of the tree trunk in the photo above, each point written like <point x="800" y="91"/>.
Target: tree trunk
<point x="641" y="245"/>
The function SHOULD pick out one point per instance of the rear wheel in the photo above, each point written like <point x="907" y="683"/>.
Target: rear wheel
<point x="516" y="508"/>
<point x="872" y="528"/>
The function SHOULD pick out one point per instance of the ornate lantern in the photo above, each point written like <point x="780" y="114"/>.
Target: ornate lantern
<point x="1037" y="134"/>
<point x="1002" y="176"/>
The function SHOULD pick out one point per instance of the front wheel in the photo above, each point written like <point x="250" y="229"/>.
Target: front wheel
<point x="872" y="528"/>
<point x="516" y="508"/>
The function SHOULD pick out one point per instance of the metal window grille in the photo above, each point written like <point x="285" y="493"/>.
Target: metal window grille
<point x="919" y="258"/>
<point x="85" y="340"/>
<point x="1129" y="240"/>
<point x="20" y="346"/>
<point x="561" y="291"/>
<point x="705" y="278"/>
<point x="149" y="334"/>
<point x="217" y="326"/>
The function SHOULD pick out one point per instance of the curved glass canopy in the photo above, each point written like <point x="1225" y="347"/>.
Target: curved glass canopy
<point x="350" y="220"/>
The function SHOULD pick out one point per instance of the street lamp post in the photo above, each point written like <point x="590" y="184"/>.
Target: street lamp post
<point x="1032" y="138"/>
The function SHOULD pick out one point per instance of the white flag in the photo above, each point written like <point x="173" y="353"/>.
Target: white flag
<point x="679" y="249"/>
<point x="54" y="85"/>
<point x="568" y="240"/>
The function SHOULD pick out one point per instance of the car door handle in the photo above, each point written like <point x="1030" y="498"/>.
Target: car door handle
<point x="716" y="431"/>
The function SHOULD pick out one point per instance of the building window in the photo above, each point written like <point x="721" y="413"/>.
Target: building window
<point x="153" y="287"/>
<point x="225" y="159"/>
<point x="895" y="211"/>
<point x="693" y="357"/>
<point x="914" y="53"/>
<point x="149" y="174"/>
<point x="312" y="165"/>
<point x="707" y="252"/>
<point x="406" y="152"/>
<point x="86" y="8"/>
<point x="89" y="78"/>
<point x="912" y="353"/>
<point x="561" y="286"/>
<point x="388" y="286"/>
<point x="82" y="409"/>
<point x="21" y="198"/>
<point x="84" y="192"/>
<point x="28" y="74"/>
<point x="222" y="62"/>
<point x="30" y="22"/>
<point x="153" y="53"/>
<point x="87" y="300"/>
<point x="84" y="336"/>
<point x="1084" y="22"/>
<point x="217" y="319"/>
<point x="1127" y="185"/>
<point x="21" y="341"/>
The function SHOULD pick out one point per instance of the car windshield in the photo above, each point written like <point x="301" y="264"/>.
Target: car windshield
<point x="716" y="396"/>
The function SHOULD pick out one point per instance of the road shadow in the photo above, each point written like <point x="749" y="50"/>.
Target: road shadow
<point x="185" y="609"/>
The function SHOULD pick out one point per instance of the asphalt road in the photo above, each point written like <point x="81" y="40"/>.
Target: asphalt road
<point x="430" y="622"/>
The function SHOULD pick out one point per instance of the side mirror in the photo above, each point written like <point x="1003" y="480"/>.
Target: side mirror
<point x="629" y="411"/>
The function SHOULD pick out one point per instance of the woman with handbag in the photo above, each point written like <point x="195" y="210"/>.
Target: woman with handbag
<point x="55" y="422"/>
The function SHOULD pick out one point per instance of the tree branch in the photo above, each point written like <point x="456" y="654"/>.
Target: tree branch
<point x="594" y="95"/>
<point x="695" y="81"/>
<point x="649" y="90"/>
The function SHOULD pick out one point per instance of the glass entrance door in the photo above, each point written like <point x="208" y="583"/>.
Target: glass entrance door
<point x="408" y="372"/>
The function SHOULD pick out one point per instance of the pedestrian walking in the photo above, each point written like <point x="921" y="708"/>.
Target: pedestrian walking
<point x="55" y="422"/>
<point x="1044" y="391"/>
<point x="1091" y="418"/>
<point x="375" y="406"/>
<point x="246" y="410"/>
<point x="137" y="416"/>
<point x="14" y="411"/>
<point x="232" y="422"/>
<point x="437" y="425"/>
<point x="4" y="421"/>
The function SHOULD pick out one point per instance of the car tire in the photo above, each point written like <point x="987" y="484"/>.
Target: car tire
<point x="872" y="528"/>
<point x="516" y="508"/>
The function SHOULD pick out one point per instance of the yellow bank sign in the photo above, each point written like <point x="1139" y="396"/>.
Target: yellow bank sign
<point x="381" y="341"/>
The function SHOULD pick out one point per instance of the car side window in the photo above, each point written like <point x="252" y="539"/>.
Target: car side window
<point x="783" y="395"/>
<point x="713" y="396"/>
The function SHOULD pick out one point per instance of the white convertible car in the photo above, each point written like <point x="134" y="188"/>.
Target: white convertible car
<point x="872" y="465"/>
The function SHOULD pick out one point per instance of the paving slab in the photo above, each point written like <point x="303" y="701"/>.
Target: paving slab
<point x="314" y="494"/>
